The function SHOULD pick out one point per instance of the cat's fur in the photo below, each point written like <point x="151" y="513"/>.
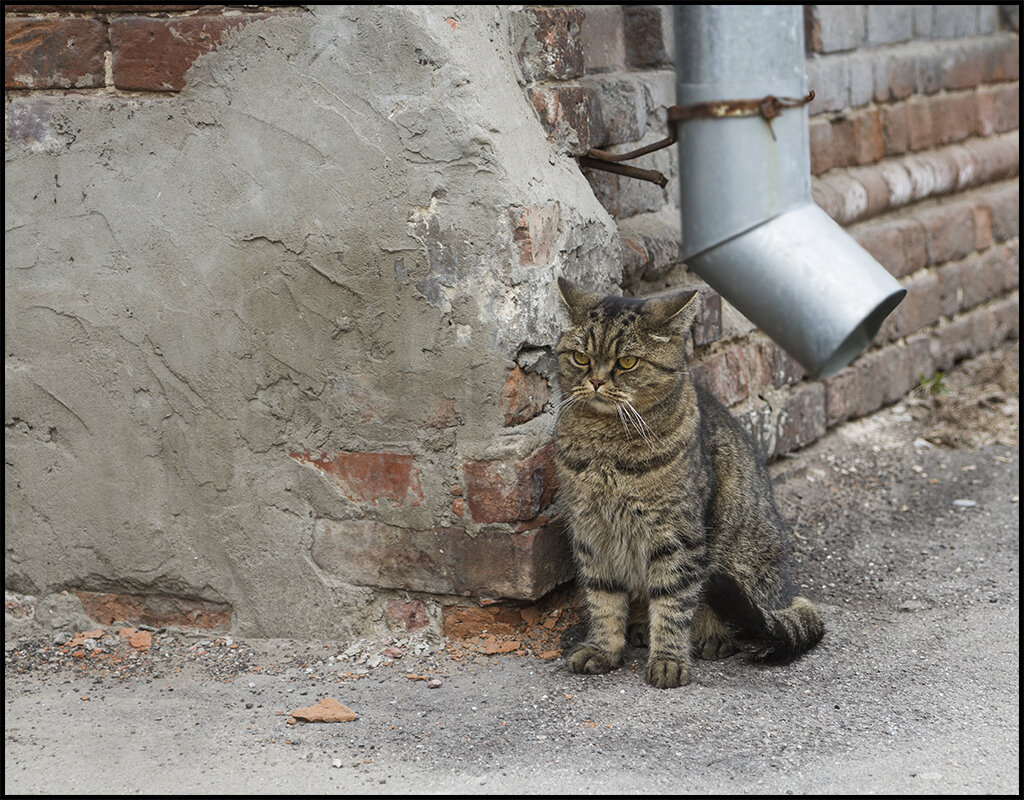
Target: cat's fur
<point x="669" y="507"/>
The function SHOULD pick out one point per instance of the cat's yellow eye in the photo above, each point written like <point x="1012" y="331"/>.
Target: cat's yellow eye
<point x="580" y="359"/>
<point x="627" y="362"/>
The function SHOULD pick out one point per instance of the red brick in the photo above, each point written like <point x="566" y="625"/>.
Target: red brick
<point x="919" y="124"/>
<point x="524" y="396"/>
<point x="569" y="114"/>
<point x="726" y="375"/>
<point x="534" y="232"/>
<point x="154" y="53"/>
<point x="820" y="133"/>
<point x="510" y="491"/>
<point x="492" y="564"/>
<point x="895" y="137"/>
<point x="868" y="138"/>
<point x="954" y="117"/>
<point x="949" y="230"/>
<point x="407" y="615"/>
<point x="157" y="611"/>
<point x="370" y="477"/>
<point x="54" y="53"/>
<point x="550" y="43"/>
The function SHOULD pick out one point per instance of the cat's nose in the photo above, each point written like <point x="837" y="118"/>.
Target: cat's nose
<point x="596" y="383"/>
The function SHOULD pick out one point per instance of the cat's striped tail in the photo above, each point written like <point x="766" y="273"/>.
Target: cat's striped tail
<point x="773" y="636"/>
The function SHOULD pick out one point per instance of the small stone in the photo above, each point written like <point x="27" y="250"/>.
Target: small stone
<point x="434" y="683"/>
<point x="327" y="710"/>
<point x="964" y="503"/>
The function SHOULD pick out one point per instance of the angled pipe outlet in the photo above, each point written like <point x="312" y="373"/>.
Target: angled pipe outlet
<point x="750" y="227"/>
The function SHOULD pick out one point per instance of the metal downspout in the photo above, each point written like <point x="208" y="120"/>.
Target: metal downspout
<point x="750" y="227"/>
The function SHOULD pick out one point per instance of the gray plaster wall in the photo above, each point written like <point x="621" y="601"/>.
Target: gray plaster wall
<point x="309" y="249"/>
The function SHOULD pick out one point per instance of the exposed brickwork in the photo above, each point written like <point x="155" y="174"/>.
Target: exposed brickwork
<point x="151" y="47"/>
<point x="54" y="53"/>
<point x="914" y="148"/>
<point x="370" y="477"/>
<point x="550" y="46"/>
<point x="523" y="396"/>
<point x="448" y="561"/>
<point x="156" y="610"/>
<point x="510" y="491"/>
<point x="154" y="54"/>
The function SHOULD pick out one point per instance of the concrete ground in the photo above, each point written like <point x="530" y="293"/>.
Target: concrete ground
<point x="910" y="547"/>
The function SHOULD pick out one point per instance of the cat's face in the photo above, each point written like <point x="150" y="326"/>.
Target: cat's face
<point x="622" y="354"/>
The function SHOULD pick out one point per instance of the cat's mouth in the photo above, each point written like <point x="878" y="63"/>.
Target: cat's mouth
<point x="602" y="404"/>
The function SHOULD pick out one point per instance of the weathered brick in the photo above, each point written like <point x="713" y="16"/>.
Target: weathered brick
<point x="369" y="477"/>
<point x="921" y="307"/>
<point x="803" y="419"/>
<point x="820" y="134"/>
<point x="648" y="35"/>
<point x="888" y="24"/>
<point x="954" y="117"/>
<point x="570" y="115"/>
<point x="54" y="53"/>
<point x="407" y="615"/>
<point x="895" y="74"/>
<point x="155" y="53"/>
<point x="550" y="43"/>
<point x="623" y="110"/>
<point x="707" y="327"/>
<point x="833" y="28"/>
<point x="725" y="375"/>
<point x="492" y="564"/>
<point x="950" y="232"/>
<point x="604" y="46"/>
<point x="954" y="21"/>
<point x="534" y="232"/>
<point x="919" y="124"/>
<point x="950" y="277"/>
<point x="1009" y="255"/>
<point x="510" y="491"/>
<point x="920" y="364"/>
<point x="156" y="610"/>
<point x="829" y="76"/>
<point x="895" y="135"/>
<point x="1006" y="105"/>
<point x="756" y="421"/>
<point x="842" y="396"/>
<point x="884" y="377"/>
<point x="1006" y="318"/>
<point x="523" y="396"/>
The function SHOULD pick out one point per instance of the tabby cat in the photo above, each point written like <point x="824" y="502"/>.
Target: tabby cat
<point x="670" y="509"/>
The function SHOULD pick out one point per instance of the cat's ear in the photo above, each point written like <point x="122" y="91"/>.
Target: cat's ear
<point x="577" y="298"/>
<point x="677" y="310"/>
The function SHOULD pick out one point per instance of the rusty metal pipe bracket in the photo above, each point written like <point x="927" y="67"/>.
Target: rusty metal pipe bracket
<point x="768" y="107"/>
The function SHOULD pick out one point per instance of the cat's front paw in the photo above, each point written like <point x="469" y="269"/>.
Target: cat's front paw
<point x="667" y="673"/>
<point x="591" y="661"/>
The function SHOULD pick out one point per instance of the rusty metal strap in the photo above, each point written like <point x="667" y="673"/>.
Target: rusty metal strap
<point x="768" y="107"/>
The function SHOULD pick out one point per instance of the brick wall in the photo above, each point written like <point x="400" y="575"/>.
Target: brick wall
<point x="914" y="149"/>
<point x="116" y="47"/>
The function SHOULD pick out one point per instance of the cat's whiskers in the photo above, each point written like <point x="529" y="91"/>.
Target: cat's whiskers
<point x="648" y="435"/>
